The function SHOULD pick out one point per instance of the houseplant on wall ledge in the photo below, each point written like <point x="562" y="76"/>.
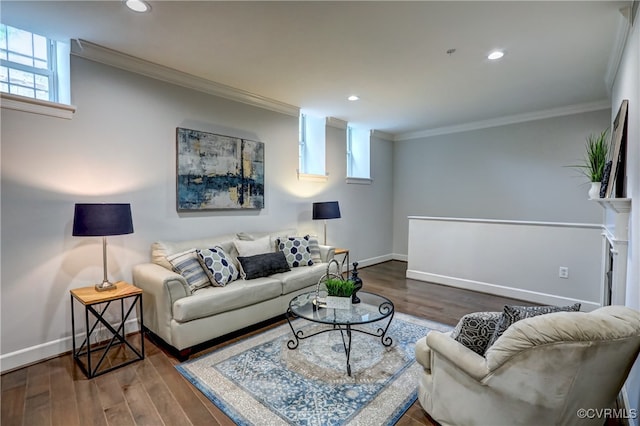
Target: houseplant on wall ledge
<point x="339" y="293"/>
<point x="594" y="162"/>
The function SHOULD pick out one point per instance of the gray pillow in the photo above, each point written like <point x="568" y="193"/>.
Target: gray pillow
<point x="512" y="314"/>
<point x="474" y="330"/>
<point x="263" y="265"/>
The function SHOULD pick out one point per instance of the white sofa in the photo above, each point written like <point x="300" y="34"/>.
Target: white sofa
<point x="544" y="370"/>
<point x="184" y="318"/>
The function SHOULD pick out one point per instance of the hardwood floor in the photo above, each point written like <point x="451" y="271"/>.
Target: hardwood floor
<point x="152" y="392"/>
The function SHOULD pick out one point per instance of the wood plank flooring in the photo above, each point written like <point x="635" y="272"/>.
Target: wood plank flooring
<point x="152" y="392"/>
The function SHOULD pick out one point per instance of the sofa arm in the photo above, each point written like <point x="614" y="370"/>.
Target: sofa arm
<point x="456" y="353"/>
<point x="327" y="253"/>
<point x="423" y="354"/>
<point x="161" y="288"/>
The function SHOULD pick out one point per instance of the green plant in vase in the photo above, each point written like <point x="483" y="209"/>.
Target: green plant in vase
<point x="337" y="287"/>
<point x="593" y="165"/>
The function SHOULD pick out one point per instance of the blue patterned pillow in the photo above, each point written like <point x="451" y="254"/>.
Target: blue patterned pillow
<point x="218" y="266"/>
<point x="512" y="314"/>
<point x="475" y="330"/>
<point x="296" y="251"/>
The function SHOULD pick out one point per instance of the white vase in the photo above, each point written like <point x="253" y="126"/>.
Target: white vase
<point x="334" y="302"/>
<point x="594" y="191"/>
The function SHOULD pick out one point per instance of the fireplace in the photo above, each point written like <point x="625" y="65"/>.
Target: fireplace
<point x="615" y="249"/>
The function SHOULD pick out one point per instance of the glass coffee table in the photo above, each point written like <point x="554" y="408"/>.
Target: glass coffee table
<point x="372" y="308"/>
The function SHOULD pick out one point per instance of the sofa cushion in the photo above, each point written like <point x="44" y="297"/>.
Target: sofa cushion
<point x="475" y="330"/>
<point x="211" y="300"/>
<point x="263" y="265"/>
<point x="296" y="250"/>
<point x="218" y="266"/>
<point x="512" y="314"/>
<point x="253" y="247"/>
<point x="299" y="278"/>
<point x="186" y="263"/>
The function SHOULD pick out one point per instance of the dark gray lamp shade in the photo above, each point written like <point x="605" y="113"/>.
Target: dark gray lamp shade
<point x="99" y="220"/>
<point x="326" y="210"/>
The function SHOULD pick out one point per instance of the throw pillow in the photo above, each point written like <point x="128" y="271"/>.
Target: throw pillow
<point x="218" y="266"/>
<point x="512" y="314"/>
<point x="263" y="265"/>
<point x="314" y="249"/>
<point x="296" y="250"/>
<point x="253" y="247"/>
<point x="475" y="330"/>
<point x="186" y="264"/>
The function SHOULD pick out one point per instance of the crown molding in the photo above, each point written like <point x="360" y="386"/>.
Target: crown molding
<point x="337" y="123"/>
<point x="93" y="52"/>
<point x="622" y="34"/>
<point x="512" y="119"/>
<point x="382" y="135"/>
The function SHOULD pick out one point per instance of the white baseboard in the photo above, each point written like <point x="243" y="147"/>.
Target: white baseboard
<point x="401" y="257"/>
<point x="498" y="290"/>
<point x="47" y="350"/>
<point x="374" y="260"/>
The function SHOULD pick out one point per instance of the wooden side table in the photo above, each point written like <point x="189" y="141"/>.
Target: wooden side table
<point x="344" y="252"/>
<point x="89" y="297"/>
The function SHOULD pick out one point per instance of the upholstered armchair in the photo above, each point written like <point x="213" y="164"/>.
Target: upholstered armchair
<point x="540" y="371"/>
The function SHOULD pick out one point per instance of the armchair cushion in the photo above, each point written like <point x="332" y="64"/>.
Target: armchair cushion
<point x="476" y="329"/>
<point x="512" y="314"/>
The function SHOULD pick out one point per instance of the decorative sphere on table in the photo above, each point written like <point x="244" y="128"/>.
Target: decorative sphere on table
<point x="357" y="281"/>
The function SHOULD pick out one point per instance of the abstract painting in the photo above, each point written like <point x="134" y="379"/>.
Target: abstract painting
<point x="218" y="172"/>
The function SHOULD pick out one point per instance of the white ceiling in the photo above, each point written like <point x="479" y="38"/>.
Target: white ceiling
<point x="392" y="54"/>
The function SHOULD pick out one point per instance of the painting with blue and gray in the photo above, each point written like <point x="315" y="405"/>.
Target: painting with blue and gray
<point x="219" y="172"/>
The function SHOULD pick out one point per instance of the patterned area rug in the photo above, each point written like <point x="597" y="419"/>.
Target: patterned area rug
<point x="259" y="381"/>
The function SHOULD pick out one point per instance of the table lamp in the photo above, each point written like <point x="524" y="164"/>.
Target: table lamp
<point x="102" y="220"/>
<point x="326" y="210"/>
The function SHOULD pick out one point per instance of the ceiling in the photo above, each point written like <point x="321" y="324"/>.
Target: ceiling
<point x="392" y="54"/>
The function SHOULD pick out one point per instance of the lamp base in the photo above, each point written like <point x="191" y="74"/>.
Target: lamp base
<point x="105" y="286"/>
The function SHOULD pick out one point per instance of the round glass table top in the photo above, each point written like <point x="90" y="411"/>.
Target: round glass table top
<point x="372" y="307"/>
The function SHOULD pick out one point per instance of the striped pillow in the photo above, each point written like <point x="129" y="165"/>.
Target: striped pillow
<point x="314" y="249"/>
<point x="187" y="264"/>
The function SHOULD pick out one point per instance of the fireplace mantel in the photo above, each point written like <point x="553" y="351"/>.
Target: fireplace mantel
<point x="616" y="238"/>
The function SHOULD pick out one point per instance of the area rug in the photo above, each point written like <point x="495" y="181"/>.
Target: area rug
<point x="259" y="381"/>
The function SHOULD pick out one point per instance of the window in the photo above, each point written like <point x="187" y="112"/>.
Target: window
<point x="33" y="66"/>
<point x="311" y="149"/>
<point x="358" y="158"/>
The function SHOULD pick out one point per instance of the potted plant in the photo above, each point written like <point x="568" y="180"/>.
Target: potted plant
<point x="339" y="293"/>
<point x="595" y="161"/>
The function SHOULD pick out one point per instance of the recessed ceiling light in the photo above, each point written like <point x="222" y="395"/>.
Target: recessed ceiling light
<point x="138" y="5"/>
<point x="353" y="97"/>
<point x="496" y="54"/>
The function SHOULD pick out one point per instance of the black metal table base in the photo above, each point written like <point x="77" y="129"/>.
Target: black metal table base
<point x="118" y="337"/>
<point x="345" y="332"/>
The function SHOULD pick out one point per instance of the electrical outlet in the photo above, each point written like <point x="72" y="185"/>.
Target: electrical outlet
<point x="563" y="272"/>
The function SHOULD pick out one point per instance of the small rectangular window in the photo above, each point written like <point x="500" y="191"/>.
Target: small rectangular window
<point x="358" y="153"/>
<point x="28" y="64"/>
<point x="312" y="145"/>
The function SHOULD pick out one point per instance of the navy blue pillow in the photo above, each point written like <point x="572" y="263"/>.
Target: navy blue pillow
<point x="263" y="265"/>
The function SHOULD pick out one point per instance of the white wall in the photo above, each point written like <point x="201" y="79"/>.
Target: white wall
<point x="510" y="258"/>
<point x="513" y="172"/>
<point x="627" y="86"/>
<point x="120" y="147"/>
